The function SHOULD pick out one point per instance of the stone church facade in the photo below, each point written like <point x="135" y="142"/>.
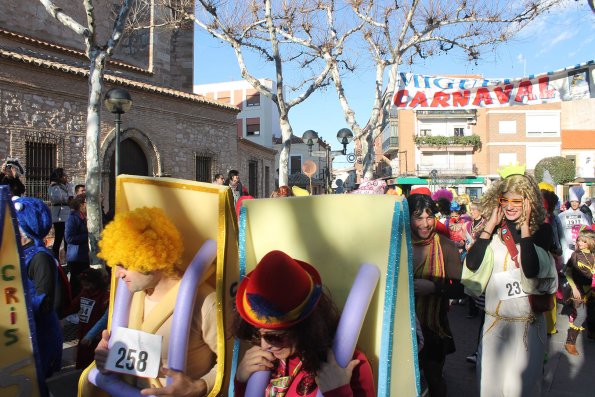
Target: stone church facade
<point x="168" y="131"/>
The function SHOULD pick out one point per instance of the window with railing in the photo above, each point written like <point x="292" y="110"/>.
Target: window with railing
<point x="253" y="178"/>
<point x="41" y="150"/>
<point x="203" y="168"/>
<point x="295" y="166"/>
<point x="253" y="100"/>
<point x="253" y="126"/>
<point x="267" y="181"/>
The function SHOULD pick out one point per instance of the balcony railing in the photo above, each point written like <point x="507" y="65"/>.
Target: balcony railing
<point x="390" y="144"/>
<point x="451" y="113"/>
<point x="473" y="141"/>
<point x="447" y="170"/>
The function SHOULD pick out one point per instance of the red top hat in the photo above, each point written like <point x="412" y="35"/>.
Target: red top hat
<point x="421" y="190"/>
<point x="279" y="293"/>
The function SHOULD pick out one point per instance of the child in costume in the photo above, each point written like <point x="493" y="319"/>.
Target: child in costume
<point x="580" y="273"/>
<point x="456" y="228"/>
<point x="570" y="217"/>
<point x="35" y="221"/>
<point x="91" y="304"/>
<point x="282" y="309"/>
<point x="145" y="248"/>
<point x="510" y="262"/>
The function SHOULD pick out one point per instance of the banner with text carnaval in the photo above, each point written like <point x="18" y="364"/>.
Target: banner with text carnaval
<point x="415" y="91"/>
<point x="18" y="362"/>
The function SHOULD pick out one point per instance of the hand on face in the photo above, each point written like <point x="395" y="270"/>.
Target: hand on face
<point x="527" y="211"/>
<point x="331" y="375"/>
<point x="255" y="359"/>
<point x="495" y="218"/>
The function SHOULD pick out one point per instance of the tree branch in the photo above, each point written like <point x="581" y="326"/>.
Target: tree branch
<point x="119" y="25"/>
<point x="66" y="20"/>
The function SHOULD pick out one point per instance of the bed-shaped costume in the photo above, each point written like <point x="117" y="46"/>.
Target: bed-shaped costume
<point x="201" y="212"/>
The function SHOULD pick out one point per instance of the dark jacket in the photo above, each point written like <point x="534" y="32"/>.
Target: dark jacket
<point x="16" y="186"/>
<point x="77" y="238"/>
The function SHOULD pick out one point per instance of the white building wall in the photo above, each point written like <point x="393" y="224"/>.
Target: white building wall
<point x="267" y="111"/>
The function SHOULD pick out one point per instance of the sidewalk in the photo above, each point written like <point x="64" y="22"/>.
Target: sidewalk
<point x="565" y="375"/>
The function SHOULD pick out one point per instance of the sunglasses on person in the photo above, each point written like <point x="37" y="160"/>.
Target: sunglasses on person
<point x="276" y="339"/>
<point x="514" y="202"/>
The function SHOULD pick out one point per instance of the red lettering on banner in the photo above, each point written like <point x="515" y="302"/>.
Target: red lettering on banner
<point x="398" y="101"/>
<point x="10" y="295"/>
<point x="13" y="316"/>
<point x="460" y="98"/>
<point x="483" y="94"/>
<point x="419" y="99"/>
<point x="440" y="99"/>
<point x="525" y="90"/>
<point x="503" y="94"/>
<point x="544" y="91"/>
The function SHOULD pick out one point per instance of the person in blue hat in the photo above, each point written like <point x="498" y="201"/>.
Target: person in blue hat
<point x="34" y="221"/>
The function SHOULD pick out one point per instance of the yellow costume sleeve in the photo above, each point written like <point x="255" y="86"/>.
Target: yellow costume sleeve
<point x="475" y="282"/>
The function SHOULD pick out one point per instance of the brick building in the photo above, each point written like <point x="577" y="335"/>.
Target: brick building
<point x="464" y="148"/>
<point x="168" y="131"/>
<point x="258" y="122"/>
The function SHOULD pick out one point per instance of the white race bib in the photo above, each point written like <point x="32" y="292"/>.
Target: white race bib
<point x="508" y="284"/>
<point x="86" y="309"/>
<point x="134" y="352"/>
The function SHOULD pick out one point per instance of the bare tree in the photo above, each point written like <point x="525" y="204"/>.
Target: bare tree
<point x="261" y="28"/>
<point x="98" y="54"/>
<point x="400" y="33"/>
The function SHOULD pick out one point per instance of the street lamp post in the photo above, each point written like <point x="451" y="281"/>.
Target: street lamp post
<point x="344" y="136"/>
<point x="310" y="137"/>
<point x="118" y="101"/>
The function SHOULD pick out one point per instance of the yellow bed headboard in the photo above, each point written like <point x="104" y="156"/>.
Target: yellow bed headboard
<point x="336" y="234"/>
<point x="201" y="211"/>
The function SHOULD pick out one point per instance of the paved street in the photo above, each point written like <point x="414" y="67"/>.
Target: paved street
<point x="565" y="375"/>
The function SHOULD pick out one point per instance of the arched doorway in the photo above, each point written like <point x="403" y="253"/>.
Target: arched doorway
<point x="133" y="161"/>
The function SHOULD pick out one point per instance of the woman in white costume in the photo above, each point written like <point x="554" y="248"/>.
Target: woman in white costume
<point x="511" y="264"/>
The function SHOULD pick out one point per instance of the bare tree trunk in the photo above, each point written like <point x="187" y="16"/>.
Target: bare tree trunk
<point x="286" y="133"/>
<point x="93" y="176"/>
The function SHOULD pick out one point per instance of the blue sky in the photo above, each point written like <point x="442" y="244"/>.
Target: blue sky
<point x="561" y="38"/>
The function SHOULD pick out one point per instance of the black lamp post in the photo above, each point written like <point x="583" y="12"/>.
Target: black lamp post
<point x="118" y="101"/>
<point x="344" y="136"/>
<point x="310" y="137"/>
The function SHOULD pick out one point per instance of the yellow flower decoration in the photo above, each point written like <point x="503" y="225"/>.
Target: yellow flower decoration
<point x="142" y="240"/>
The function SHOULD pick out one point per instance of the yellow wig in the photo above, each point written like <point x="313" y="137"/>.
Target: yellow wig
<point x="142" y="240"/>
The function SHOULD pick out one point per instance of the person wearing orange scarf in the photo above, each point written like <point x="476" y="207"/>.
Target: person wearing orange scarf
<point x="437" y="275"/>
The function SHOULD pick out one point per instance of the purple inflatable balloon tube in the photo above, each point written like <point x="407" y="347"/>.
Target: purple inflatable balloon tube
<point x="180" y="324"/>
<point x="348" y="329"/>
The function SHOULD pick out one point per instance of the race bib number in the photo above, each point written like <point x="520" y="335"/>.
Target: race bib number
<point x="508" y="284"/>
<point x="86" y="309"/>
<point x="134" y="352"/>
<point x="572" y="220"/>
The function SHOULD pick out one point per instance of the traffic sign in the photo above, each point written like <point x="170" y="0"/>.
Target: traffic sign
<point x="319" y="153"/>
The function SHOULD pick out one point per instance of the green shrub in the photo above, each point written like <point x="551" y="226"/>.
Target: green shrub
<point x="563" y="170"/>
<point x="470" y="140"/>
